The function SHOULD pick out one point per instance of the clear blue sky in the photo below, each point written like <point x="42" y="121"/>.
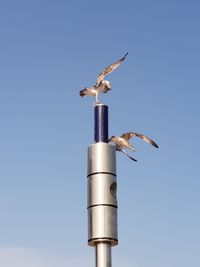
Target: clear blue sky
<point x="49" y="50"/>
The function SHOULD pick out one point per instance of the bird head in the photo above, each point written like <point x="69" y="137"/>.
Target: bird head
<point x="107" y="84"/>
<point x="110" y="139"/>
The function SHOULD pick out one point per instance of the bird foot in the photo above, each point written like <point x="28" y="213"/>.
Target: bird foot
<point x="95" y="103"/>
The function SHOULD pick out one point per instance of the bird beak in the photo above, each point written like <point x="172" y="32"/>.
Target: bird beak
<point x="109" y="140"/>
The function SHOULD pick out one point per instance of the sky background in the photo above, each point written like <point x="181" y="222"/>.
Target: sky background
<point x="49" y="50"/>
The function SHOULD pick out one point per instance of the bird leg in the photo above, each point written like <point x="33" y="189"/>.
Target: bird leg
<point x="95" y="103"/>
<point x="96" y="98"/>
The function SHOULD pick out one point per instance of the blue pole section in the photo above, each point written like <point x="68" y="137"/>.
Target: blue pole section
<point x="101" y="123"/>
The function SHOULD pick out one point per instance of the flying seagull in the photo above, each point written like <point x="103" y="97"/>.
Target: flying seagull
<point x="101" y="85"/>
<point x="122" y="142"/>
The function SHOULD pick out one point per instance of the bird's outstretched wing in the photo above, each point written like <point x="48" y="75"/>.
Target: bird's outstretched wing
<point x="129" y="135"/>
<point x="123" y="151"/>
<point x="126" y="136"/>
<point x="109" y="69"/>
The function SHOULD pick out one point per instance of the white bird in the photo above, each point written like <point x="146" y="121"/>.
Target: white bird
<point x="101" y="85"/>
<point x="122" y="142"/>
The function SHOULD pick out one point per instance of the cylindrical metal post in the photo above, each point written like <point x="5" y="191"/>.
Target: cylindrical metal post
<point x="103" y="255"/>
<point x="102" y="190"/>
<point x="102" y="194"/>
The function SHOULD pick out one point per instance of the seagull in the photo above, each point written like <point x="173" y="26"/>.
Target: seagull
<point x="101" y="85"/>
<point x="122" y="142"/>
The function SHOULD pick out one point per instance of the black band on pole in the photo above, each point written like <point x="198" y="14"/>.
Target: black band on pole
<point x="101" y="123"/>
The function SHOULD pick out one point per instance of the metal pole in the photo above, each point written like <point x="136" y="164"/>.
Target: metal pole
<point x="101" y="123"/>
<point x="102" y="191"/>
<point x="103" y="254"/>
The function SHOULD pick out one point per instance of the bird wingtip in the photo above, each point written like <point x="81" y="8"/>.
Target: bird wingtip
<point x="124" y="56"/>
<point x="155" y="145"/>
<point x="81" y="93"/>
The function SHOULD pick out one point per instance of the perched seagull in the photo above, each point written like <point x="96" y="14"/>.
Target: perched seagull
<point x="101" y="85"/>
<point x="122" y="142"/>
